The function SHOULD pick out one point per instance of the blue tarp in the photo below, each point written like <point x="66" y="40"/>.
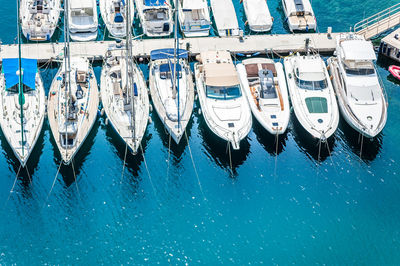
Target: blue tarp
<point x="154" y="2"/>
<point x="168" y="53"/>
<point x="29" y="70"/>
<point x="169" y="68"/>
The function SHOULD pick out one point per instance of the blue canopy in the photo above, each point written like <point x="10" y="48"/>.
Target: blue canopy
<point x="169" y="68"/>
<point x="168" y="54"/>
<point x="154" y="2"/>
<point x="29" y="70"/>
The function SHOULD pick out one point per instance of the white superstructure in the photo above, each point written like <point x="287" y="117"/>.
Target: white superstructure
<point x="155" y="17"/>
<point x="299" y="15"/>
<point x="83" y="20"/>
<point x="194" y="18"/>
<point x="113" y="14"/>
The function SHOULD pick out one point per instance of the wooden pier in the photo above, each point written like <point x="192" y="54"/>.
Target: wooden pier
<point x="278" y="43"/>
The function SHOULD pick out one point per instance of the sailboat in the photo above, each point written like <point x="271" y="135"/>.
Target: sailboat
<point x="39" y="18"/>
<point x="171" y="87"/>
<point x="72" y="102"/>
<point x="22" y="103"/>
<point x="113" y="14"/>
<point x="124" y="93"/>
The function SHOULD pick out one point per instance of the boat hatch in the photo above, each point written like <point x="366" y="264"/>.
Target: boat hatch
<point x="317" y="105"/>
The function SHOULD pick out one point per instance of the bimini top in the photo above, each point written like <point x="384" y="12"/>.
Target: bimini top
<point x="219" y="69"/>
<point x="168" y="54"/>
<point x="154" y="2"/>
<point x="358" y="50"/>
<point x="11" y="69"/>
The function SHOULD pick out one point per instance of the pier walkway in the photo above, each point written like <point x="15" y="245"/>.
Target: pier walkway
<point x="379" y="23"/>
<point x="279" y="43"/>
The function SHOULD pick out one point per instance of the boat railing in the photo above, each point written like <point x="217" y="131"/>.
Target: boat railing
<point x="377" y="18"/>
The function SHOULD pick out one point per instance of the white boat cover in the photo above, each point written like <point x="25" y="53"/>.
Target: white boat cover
<point x="358" y="50"/>
<point x="74" y="4"/>
<point x="258" y="12"/>
<point x="224" y="14"/>
<point x="219" y="69"/>
<point x="194" y="4"/>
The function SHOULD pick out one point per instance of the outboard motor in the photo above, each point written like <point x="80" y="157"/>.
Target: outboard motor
<point x="267" y="84"/>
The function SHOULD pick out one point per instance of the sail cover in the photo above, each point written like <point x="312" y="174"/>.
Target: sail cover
<point x="11" y="69"/>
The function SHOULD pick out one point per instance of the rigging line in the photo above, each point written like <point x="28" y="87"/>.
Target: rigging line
<point x="76" y="181"/>
<point x="276" y="153"/>
<point x="230" y="158"/>
<point x="169" y="157"/>
<point x="13" y="186"/>
<point x="124" y="165"/>
<point x="361" y="147"/>
<point x="194" y="167"/>
<point x="54" y="182"/>
<point x="21" y="98"/>
<point x="29" y="176"/>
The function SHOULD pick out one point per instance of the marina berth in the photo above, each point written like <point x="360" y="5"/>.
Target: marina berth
<point x="299" y="15"/>
<point x="264" y="84"/>
<point x="155" y="17"/>
<point x="194" y="18"/>
<point x="225" y="17"/>
<point x="113" y="14"/>
<point x="312" y="95"/>
<point x="258" y="16"/>
<point x="172" y="90"/>
<point x="39" y="18"/>
<point x="361" y="96"/>
<point x="22" y="105"/>
<point x="72" y="105"/>
<point x="83" y="20"/>
<point x="224" y="107"/>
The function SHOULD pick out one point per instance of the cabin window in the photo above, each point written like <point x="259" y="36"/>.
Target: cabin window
<point x="223" y="92"/>
<point x="311" y="85"/>
<point x="317" y="105"/>
<point x="360" y="70"/>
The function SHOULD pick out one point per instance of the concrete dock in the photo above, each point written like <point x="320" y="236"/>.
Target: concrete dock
<point x="279" y="43"/>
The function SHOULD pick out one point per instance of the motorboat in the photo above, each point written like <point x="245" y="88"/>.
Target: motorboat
<point x="22" y="105"/>
<point x="155" y="17"/>
<point x="124" y="93"/>
<point x="395" y="71"/>
<point x="113" y="14"/>
<point x="39" y="18"/>
<point x="264" y="84"/>
<point x="312" y="95"/>
<point x="172" y="89"/>
<point x="83" y="20"/>
<point x="258" y="16"/>
<point x="225" y="17"/>
<point x="361" y="95"/>
<point x="299" y="15"/>
<point x="194" y="18"/>
<point x="223" y="105"/>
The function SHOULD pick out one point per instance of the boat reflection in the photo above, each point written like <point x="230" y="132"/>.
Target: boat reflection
<point x="268" y="141"/>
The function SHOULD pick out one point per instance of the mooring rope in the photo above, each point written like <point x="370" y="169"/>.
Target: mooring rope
<point x="13" y="186"/>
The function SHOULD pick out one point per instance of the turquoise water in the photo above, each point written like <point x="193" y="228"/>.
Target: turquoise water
<point x="291" y="208"/>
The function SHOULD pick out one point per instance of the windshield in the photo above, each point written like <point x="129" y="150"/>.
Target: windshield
<point x="223" y="92"/>
<point x="311" y="85"/>
<point x="359" y="71"/>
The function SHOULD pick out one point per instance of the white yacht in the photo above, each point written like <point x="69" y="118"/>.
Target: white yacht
<point x="124" y="93"/>
<point x="72" y="105"/>
<point x="39" y="18"/>
<point x="172" y="94"/>
<point x="224" y="107"/>
<point x="194" y="18"/>
<point x="312" y="95"/>
<point x="225" y="17"/>
<point x="264" y="85"/>
<point x="299" y="15"/>
<point x="83" y="20"/>
<point x="155" y="17"/>
<point x="22" y="108"/>
<point x="360" y="94"/>
<point x="113" y="14"/>
<point x="258" y="16"/>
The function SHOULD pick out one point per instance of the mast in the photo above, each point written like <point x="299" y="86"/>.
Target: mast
<point x="176" y="59"/>
<point x="21" y="97"/>
<point x="130" y="90"/>
<point x="67" y="71"/>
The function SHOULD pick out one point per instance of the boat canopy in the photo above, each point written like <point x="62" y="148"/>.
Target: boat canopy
<point x="193" y="5"/>
<point x="258" y="12"/>
<point x="154" y="2"/>
<point x="219" y="69"/>
<point x="358" y="50"/>
<point x="11" y="69"/>
<point x="310" y="69"/>
<point x="168" y="54"/>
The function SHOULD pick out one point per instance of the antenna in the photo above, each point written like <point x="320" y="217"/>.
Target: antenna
<point x="67" y="70"/>
<point x="176" y="59"/>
